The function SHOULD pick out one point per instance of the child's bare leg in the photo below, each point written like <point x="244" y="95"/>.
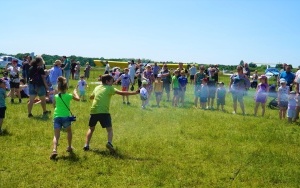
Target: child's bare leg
<point x="69" y="130"/>
<point x="89" y="135"/>
<point x="263" y="108"/>
<point x="56" y="138"/>
<point x="109" y="134"/>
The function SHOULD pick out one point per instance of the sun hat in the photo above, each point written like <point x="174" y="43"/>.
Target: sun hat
<point x="57" y="62"/>
<point x="282" y="80"/>
<point x="262" y="76"/>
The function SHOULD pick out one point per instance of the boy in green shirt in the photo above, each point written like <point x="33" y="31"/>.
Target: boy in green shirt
<point x="101" y="97"/>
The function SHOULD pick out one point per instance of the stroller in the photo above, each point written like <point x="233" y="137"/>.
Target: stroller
<point x="273" y="104"/>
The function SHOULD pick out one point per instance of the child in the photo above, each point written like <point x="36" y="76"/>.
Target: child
<point x="100" y="109"/>
<point x="82" y="85"/>
<point x="158" y="88"/>
<point x="221" y="94"/>
<point x="24" y="89"/>
<point x="283" y="92"/>
<point x="2" y="103"/>
<point x="125" y="82"/>
<point x="175" y="86"/>
<point x="292" y="103"/>
<point x="262" y="90"/>
<point x="61" y="114"/>
<point x="144" y="94"/>
<point x="203" y="94"/>
<point x="182" y="80"/>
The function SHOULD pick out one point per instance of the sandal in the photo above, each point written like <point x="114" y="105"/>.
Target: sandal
<point x="53" y="155"/>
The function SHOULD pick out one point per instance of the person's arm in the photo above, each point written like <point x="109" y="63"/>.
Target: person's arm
<point x="124" y="93"/>
<point x="45" y="83"/>
<point x="75" y="95"/>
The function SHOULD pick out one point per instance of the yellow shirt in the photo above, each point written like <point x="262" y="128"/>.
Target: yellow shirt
<point x="158" y="86"/>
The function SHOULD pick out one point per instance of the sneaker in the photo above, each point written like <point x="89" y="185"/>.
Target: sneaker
<point x="128" y="103"/>
<point x="124" y="102"/>
<point x="12" y="101"/>
<point x="20" y="100"/>
<point x="86" y="148"/>
<point x="69" y="149"/>
<point x="110" y="147"/>
<point x="30" y="115"/>
<point x="46" y="113"/>
<point x="233" y="112"/>
<point x="53" y="155"/>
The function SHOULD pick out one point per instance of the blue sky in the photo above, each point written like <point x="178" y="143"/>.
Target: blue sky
<point x="201" y="31"/>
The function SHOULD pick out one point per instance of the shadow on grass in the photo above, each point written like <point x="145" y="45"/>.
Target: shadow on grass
<point x="72" y="157"/>
<point x="40" y="118"/>
<point x="5" y="133"/>
<point x="118" y="155"/>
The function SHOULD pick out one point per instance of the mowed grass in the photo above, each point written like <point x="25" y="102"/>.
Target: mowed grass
<point x="156" y="147"/>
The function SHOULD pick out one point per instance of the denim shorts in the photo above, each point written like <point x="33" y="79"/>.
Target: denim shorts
<point x="237" y="96"/>
<point x="37" y="90"/>
<point x="291" y="113"/>
<point x="82" y="93"/>
<point x="61" y="122"/>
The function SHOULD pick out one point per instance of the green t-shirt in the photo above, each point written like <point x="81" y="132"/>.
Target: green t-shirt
<point x="175" y="82"/>
<point x="60" y="108"/>
<point x="102" y="95"/>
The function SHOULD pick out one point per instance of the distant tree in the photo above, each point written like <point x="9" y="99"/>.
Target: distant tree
<point x="252" y="65"/>
<point x="278" y="66"/>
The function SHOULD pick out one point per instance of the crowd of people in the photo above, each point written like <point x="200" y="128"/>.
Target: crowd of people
<point x="51" y="85"/>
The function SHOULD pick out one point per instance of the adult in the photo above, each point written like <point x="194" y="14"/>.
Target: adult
<point x="199" y="76"/>
<point x="37" y="85"/>
<point x="87" y="70"/>
<point x="149" y="76"/>
<point x="254" y="79"/>
<point x="288" y="76"/>
<point x="212" y="88"/>
<point x="107" y="67"/>
<point x="55" y="72"/>
<point x="246" y="70"/>
<point x="180" y="68"/>
<point x="14" y="74"/>
<point x="131" y="73"/>
<point x="138" y="74"/>
<point x="67" y="68"/>
<point x="73" y="65"/>
<point x="166" y="78"/>
<point x="25" y="67"/>
<point x="193" y="71"/>
<point x="239" y="83"/>
<point x="156" y="70"/>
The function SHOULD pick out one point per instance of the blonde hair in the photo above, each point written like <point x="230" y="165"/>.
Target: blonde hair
<point x="62" y="84"/>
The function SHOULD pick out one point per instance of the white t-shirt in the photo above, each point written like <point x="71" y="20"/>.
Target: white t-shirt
<point x="13" y="74"/>
<point x="107" y="67"/>
<point x="143" y="93"/>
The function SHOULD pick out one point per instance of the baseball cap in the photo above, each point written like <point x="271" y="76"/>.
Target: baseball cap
<point x="144" y="82"/>
<point x="282" y="80"/>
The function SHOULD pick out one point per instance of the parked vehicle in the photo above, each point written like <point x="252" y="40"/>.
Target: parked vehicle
<point x="269" y="72"/>
<point x="4" y="60"/>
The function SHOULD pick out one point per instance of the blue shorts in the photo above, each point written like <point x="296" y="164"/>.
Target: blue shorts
<point x="237" y="96"/>
<point x="104" y="119"/>
<point x="82" y="93"/>
<point x="61" y="122"/>
<point x="291" y="113"/>
<point x="203" y="99"/>
<point x="37" y="90"/>
<point x="175" y="91"/>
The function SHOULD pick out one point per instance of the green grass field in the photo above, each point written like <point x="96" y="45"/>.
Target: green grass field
<point x="156" y="147"/>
